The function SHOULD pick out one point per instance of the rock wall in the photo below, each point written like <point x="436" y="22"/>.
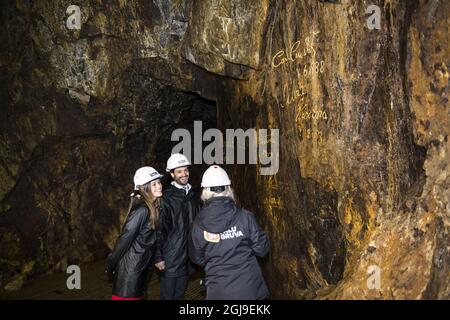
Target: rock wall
<point x="80" y="113"/>
<point x="359" y="205"/>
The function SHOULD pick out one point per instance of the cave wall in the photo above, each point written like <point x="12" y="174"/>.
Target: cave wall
<point x="362" y="114"/>
<point x="362" y="185"/>
<point x="80" y="112"/>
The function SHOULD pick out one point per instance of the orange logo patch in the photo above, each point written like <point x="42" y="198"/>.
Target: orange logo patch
<point x="211" y="237"/>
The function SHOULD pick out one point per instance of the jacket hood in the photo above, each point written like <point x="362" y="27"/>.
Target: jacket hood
<point x="217" y="214"/>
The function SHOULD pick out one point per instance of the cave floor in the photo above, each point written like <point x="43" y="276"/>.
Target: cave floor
<point x="95" y="285"/>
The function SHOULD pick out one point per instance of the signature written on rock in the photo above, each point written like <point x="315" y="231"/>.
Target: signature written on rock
<point x="296" y="51"/>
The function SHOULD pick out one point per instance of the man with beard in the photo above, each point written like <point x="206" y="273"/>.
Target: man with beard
<point x="179" y="207"/>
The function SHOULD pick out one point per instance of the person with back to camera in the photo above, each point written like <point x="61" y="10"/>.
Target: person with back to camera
<point x="226" y="240"/>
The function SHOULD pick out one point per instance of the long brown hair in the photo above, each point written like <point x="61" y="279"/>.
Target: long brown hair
<point x="153" y="204"/>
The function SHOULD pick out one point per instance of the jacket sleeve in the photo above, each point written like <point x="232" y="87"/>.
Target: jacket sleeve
<point x="158" y="247"/>
<point x="196" y="247"/>
<point x="259" y="241"/>
<point x="194" y="208"/>
<point x="165" y="226"/>
<point x="129" y="232"/>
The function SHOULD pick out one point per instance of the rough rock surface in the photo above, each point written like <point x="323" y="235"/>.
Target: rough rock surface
<point x="361" y="194"/>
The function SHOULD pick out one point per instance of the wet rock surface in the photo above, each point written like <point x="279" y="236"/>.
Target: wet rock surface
<point x="362" y="188"/>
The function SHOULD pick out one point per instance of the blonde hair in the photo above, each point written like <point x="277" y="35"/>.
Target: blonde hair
<point x="208" y="194"/>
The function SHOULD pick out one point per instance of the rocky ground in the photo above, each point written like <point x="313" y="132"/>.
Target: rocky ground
<point x="95" y="285"/>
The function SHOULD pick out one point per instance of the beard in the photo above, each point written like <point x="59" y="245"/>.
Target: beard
<point x="183" y="181"/>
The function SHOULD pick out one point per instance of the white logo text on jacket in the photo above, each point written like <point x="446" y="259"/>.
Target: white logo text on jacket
<point x="231" y="233"/>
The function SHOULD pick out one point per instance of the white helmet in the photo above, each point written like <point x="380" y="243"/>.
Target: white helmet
<point x="177" y="160"/>
<point x="215" y="176"/>
<point x="145" y="175"/>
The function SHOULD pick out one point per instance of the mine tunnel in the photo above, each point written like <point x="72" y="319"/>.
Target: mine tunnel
<point x="357" y="94"/>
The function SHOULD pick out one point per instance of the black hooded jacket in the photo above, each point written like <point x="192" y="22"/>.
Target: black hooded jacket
<point x="132" y="255"/>
<point x="178" y="211"/>
<point x="226" y="240"/>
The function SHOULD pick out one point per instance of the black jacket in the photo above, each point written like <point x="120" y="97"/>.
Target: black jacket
<point x="178" y="211"/>
<point x="132" y="255"/>
<point x="226" y="240"/>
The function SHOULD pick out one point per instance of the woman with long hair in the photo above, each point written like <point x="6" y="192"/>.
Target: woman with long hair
<point x="134" y="250"/>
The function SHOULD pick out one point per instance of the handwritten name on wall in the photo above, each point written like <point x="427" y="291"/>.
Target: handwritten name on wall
<point x="304" y="114"/>
<point x="295" y="95"/>
<point x="295" y="51"/>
